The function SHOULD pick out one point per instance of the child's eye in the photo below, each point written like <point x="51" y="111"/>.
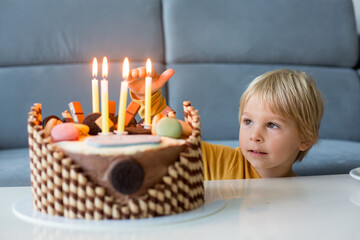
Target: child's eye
<point x="272" y="125"/>
<point x="247" y="121"/>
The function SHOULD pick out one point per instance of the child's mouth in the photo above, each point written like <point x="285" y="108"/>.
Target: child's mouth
<point x="256" y="152"/>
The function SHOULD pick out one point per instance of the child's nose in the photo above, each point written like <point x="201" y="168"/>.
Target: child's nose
<point x="256" y="136"/>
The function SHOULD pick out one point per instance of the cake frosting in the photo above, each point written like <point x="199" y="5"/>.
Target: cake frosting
<point x="102" y="177"/>
<point x="100" y="163"/>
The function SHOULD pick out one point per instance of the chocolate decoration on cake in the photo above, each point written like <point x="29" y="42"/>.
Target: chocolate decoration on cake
<point x="67" y="116"/>
<point x="131" y="112"/>
<point x="137" y="129"/>
<point x="113" y="119"/>
<point x="132" y="122"/>
<point x="76" y="112"/>
<point x="127" y="176"/>
<point x="142" y="121"/>
<point x="43" y="123"/>
<point x="90" y="121"/>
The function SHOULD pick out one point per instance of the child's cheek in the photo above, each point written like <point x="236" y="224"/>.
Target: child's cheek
<point x="242" y="138"/>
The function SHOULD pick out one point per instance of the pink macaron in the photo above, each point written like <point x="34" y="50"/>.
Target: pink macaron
<point x="65" y="132"/>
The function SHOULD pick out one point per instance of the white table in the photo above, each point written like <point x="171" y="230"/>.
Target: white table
<point x="319" y="207"/>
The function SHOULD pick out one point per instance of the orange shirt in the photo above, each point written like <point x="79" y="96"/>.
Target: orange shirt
<point x="223" y="162"/>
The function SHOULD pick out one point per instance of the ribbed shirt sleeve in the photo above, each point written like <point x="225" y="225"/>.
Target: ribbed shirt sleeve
<point x="223" y="162"/>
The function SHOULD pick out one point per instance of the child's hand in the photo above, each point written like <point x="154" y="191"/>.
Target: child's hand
<point x="137" y="81"/>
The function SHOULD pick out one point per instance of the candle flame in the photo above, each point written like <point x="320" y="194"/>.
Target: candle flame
<point x="126" y="69"/>
<point x="95" y="68"/>
<point x="105" y="68"/>
<point x="148" y="67"/>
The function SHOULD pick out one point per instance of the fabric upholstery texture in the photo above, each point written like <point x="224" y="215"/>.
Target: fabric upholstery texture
<point x="276" y="32"/>
<point x="53" y="32"/>
<point x="14" y="167"/>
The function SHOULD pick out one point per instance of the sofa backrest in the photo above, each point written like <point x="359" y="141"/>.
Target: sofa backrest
<point x="218" y="47"/>
<point x="47" y="47"/>
<point x="56" y="32"/>
<point x="259" y="31"/>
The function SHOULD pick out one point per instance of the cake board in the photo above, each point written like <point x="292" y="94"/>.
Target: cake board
<point x="23" y="209"/>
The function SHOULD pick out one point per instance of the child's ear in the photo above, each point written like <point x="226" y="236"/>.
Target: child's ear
<point x="305" y="146"/>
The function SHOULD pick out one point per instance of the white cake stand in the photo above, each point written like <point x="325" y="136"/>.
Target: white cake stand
<point x="24" y="210"/>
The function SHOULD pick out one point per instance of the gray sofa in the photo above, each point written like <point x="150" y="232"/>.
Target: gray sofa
<point x="216" y="48"/>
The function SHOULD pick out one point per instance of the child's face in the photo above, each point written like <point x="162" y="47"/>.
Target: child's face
<point x="268" y="141"/>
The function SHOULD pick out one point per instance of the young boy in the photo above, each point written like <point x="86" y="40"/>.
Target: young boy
<point x="280" y="115"/>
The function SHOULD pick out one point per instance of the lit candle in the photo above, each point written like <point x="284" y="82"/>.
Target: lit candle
<point x="95" y="88"/>
<point x="104" y="98"/>
<point x="123" y="96"/>
<point x="148" y="93"/>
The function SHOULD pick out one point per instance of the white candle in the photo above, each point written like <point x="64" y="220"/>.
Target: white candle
<point x="105" y="98"/>
<point x="123" y="96"/>
<point x="148" y="93"/>
<point x="95" y="88"/>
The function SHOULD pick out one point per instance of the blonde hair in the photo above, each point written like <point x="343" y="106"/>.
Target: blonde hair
<point x="291" y="94"/>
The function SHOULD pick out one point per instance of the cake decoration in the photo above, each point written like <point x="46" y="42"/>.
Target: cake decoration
<point x="44" y="122"/>
<point x="121" y="140"/>
<point x="155" y="120"/>
<point x="90" y="122"/>
<point x="109" y="125"/>
<point x="127" y="176"/>
<point x="64" y="132"/>
<point x="168" y="110"/>
<point x="186" y="129"/>
<point x="66" y="116"/>
<point x="93" y="186"/>
<point x="112" y="107"/>
<point x="50" y="124"/>
<point x="76" y="112"/>
<point x="131" y="112"/>
<point x="168" y="127"/>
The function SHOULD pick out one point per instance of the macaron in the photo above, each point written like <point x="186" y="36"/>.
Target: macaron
<point x="65" y="132"/>
<point x="169" y="127"/>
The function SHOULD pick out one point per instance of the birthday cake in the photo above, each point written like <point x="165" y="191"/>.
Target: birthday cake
<point x="77" y="173"/>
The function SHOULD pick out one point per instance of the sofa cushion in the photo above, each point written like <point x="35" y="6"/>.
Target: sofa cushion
<point x="52" y="32"/>
<point x="54" y="86"/>
<point x="14" y="167"/>
<point x="330" y="157"/>
<point x="326" y="157"/>
<point x="260" y="31"/>
<point x="215" y="89"/>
